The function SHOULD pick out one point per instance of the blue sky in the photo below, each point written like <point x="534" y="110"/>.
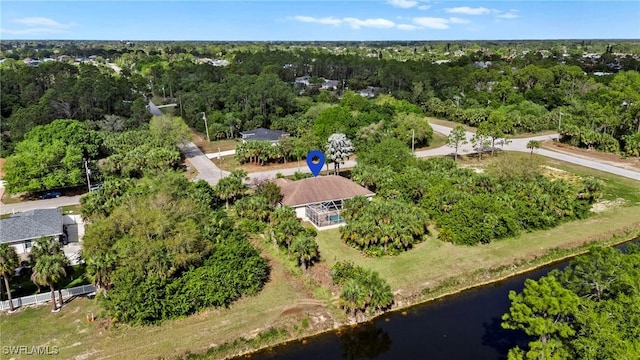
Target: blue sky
<point x="261" y="20"/>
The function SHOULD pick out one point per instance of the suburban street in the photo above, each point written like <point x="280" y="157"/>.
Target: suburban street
<point x="513" y="145"/>
<point x="521" y="145"/>
<point x="39" y="204"/>
<point x="209" y="172"/>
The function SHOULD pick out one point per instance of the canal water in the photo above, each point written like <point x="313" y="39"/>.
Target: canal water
<point x="461" y="326"/>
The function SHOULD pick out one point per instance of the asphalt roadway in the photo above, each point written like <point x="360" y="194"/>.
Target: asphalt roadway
<point x="209" y="172"/>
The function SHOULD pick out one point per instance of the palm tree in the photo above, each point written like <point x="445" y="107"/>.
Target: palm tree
<point x="353" y="298"/>
<point x="232" y="186"/>
<point x="43" y="246"/>
<point x="305" y="249"/>
<point x="48" y="270"/>
<point x="99" y="269"/>
<point x="533" y="144"/>
<point x="8" y="263"/>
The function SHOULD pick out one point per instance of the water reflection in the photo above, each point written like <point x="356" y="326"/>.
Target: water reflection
<point x="463" y="326"/>
<point x="502" y="340"/>
<point x="363" y="341"/>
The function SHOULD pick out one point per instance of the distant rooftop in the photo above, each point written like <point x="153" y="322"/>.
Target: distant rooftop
<point x="262" y="134"/>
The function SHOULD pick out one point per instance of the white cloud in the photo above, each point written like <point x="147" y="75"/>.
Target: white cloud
<point x="511" y="14"/>
<point x="457" y="20"/>
<point x="355" y="23"/>
<point x="37" y="26"/>
<point x="432" y="22"/>
<point x="469" y="10"/>
<point x="324" y="21"/>
<point x="424" y="7"/>
<point x="408" y="27"/>
<point x="425" y="22"/>
<point x="404" y="4"/>
<point x="373" y="23"/>
<point x="41" y="22"/>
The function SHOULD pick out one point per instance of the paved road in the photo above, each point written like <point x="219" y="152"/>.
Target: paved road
<point x="207" y="170"/>
<point x="513" y="145"/>
<point x="521" y="145"/>
<point x="39" y="204"/>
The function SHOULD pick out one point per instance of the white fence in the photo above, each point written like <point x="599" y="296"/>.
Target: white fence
<point x="46" y="296"/>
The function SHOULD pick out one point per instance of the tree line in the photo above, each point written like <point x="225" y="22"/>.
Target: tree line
<point x="589" y="310"/>
<point x="528" y="94"/>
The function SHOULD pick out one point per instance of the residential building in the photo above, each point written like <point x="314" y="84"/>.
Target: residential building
<point x="21" y="230"/>
<point x="320" y="199"/>
<point x="262" y="134"/>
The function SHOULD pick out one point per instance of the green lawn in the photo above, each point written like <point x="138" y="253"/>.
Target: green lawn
<point x="71" y="209"/>
<point x="433" y="261"/>
<point x="436" y="141"/>
<point x="275" y="306"/>
<point x="451" y="124"/>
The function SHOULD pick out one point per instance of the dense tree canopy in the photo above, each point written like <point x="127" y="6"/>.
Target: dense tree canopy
<point x="153" y="248"/>
<point x="590" y="310"/>
<point x="383" y="227"/>
<point x="51" y="156"/>
<point x="469" y="207"/>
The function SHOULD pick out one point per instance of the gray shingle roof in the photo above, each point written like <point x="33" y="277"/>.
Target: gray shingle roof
<point x="262" y="134"/>
<point x="32" y="224"/>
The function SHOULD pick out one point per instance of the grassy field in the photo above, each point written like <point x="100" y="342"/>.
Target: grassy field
<point x="437" y="141"/>
<point x="433" y="261"/>
<point x="451" y="124"/>
<point x="616" y="186"/>
<point x="280" y="304"/>
<point x="206" y="147"/>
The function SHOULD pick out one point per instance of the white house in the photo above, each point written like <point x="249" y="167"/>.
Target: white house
<point x="320" y="199"/>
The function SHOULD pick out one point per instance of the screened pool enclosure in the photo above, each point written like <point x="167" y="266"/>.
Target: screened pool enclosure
<point x="325" y="213"/>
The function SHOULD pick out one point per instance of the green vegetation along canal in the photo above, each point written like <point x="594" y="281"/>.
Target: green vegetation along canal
<point x="462" y="326"/>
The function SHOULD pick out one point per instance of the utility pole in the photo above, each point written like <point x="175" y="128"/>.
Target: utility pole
<point x="560" y="120"/>
<point x="204" y="117"/>
<point x="87" y="171"/>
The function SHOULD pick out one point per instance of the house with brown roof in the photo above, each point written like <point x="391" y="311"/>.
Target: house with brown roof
<point x="320" y="199"/>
